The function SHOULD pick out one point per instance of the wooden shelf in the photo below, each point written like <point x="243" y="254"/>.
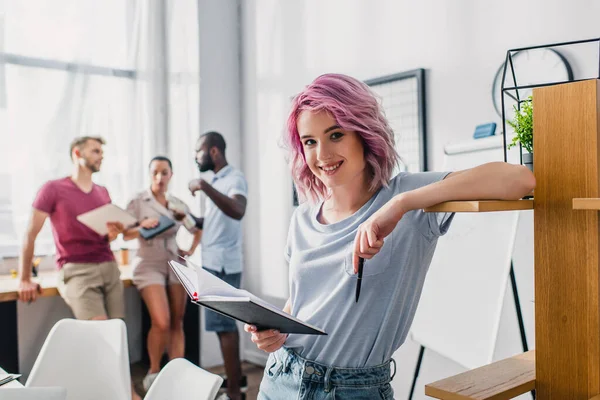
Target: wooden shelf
<point x="48" y="281"/>
<point x="482" y="206"/>
<point x="586" y="204"/>
<point x="503" y="379"/>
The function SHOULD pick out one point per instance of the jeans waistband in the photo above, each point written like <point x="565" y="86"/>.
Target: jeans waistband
<point x="336" y="376"/>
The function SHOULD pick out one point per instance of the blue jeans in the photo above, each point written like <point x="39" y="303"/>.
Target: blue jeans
<point x="288" y="376"/>
<point x="215" y="322"/>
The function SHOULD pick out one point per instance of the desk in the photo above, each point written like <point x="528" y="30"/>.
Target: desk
<point x="9" y="354"/>
<point x="48" y="281"/>
<point x="11" y="384"/>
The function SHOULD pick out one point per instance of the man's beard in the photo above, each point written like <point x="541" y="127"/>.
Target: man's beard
<point x="206" y="165"/>
<point x="92" y="167"/>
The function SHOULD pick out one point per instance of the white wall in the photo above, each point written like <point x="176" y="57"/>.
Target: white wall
<point x="461" y="44"/>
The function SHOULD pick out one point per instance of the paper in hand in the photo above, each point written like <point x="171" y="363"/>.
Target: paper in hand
<point x="97" y="218"/>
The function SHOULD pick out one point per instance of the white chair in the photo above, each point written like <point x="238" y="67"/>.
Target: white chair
<point x="88" y="358"/>
<point x="41" y="393"/>
<point x="180" y="379"/>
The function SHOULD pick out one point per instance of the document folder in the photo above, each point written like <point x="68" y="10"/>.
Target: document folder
<point x="164" y="223"/>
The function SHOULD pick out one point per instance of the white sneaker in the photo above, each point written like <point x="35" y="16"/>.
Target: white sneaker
<point x="148" y="380"/>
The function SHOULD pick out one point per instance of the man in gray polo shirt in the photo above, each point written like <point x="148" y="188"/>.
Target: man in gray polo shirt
<point x="222" y="242"/>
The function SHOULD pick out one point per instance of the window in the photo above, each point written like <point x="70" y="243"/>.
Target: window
<point x="84" y="67"/>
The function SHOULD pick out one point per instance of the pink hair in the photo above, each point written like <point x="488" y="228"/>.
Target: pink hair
<point x="355" y="108"/>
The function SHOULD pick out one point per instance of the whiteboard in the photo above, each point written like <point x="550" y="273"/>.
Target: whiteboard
<point x="460" y="308"/>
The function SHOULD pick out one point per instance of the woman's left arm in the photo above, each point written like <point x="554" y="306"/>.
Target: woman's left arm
<point x="196" y="241"/>
<point x="492" y="181"/>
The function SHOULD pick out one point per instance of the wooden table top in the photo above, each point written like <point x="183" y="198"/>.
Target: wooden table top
<point x="48" y="282"/>
<point x="504" y="379"/>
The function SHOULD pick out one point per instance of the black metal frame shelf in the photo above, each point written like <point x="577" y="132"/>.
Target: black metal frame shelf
<point x="508" y="91"/>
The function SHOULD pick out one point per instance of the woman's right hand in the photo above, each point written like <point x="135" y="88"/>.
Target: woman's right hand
<point x="149" y="223"/>
<point x="269" y="341"/>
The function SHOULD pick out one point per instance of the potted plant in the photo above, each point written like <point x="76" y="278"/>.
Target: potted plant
<point x="522" y="123"/>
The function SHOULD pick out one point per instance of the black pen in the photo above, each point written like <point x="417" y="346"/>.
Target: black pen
<point x="361" y="262"/>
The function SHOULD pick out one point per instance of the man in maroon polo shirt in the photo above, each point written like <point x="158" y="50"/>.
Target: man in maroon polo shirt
<point x="89" y="275"/>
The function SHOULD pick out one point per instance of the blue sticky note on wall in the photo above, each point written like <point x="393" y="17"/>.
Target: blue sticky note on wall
<point x="485" y="130"/>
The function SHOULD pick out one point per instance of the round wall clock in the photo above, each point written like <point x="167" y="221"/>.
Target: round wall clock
<point x="537" y="66"/>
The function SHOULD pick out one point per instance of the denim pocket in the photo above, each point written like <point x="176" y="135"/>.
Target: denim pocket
<point x="273" y="367"/>
<point x="386" y="392"/>
<point x="357" y="393"/>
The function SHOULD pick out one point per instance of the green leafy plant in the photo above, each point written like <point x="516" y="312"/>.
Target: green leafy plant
<point x="522" y="123"/>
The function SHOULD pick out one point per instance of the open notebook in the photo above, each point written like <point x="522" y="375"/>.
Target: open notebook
<point x="211" y="292"/>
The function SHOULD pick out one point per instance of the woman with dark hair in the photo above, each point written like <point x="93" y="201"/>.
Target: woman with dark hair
<point x="158" y="285"/>
<point x="342" y="158"/>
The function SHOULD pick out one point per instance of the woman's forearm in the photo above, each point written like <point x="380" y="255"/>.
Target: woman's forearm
<point x="196" y="241"/>
<point x="492" y="181"/>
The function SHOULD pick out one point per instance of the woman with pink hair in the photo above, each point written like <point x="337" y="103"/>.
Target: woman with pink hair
<point x="342" y="158"/>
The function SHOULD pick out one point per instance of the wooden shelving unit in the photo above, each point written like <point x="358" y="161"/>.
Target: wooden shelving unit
<point x="500" y="380"/>
<point x="482" y="206"/>
<point x="567" y="258"/>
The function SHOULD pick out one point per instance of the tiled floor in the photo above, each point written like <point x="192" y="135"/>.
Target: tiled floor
<point x="252" y="371"/>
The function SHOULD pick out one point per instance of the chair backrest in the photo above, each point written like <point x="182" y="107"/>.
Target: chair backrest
<point x="41" y="393"/>
<point x="89" y="358"/>
<point x="180" y="379"/>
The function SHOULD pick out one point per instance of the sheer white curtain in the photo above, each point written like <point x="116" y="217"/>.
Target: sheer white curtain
<point x="183" y="105"/>
<point x="87" y="67"/>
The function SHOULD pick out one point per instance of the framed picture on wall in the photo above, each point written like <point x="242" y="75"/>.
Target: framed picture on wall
<point x="403" y="99"/>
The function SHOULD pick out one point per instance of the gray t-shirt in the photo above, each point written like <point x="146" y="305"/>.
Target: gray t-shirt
<point x="322" y="282"/>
